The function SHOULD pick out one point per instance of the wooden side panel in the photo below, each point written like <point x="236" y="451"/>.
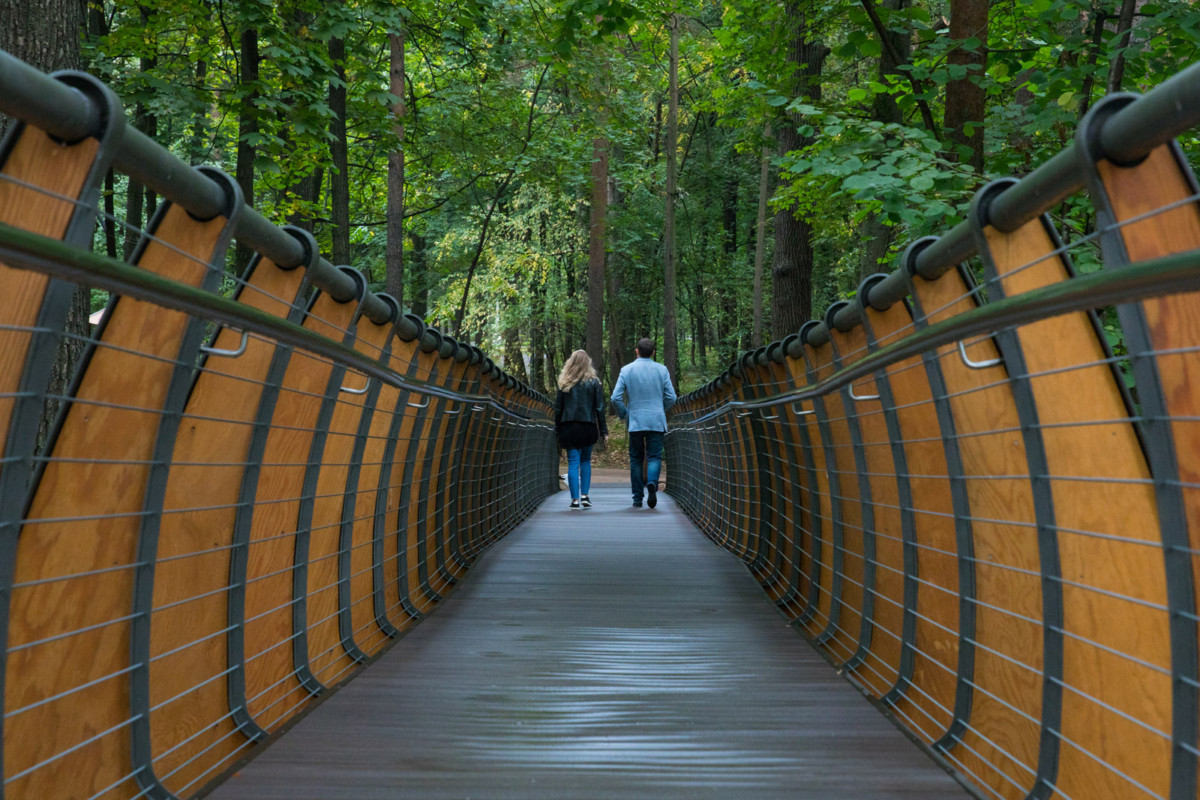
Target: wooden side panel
<point x="881" y="666"/>
<point x="1000" y="745"/>
<point x="327" y="650"/>
<point x="927" y="705"/>
<point x="402" y="357"/>
<point x="412" y="518"/>
<point x="368" y="636"/>
<point x="192" y="734"/>
<point x="1173" y="320"/>
<point x="67" y="686"/>
<point x="848" y="622"/>
<point x="821" y="525"/>
<point x="38" y="160"/>
<point x="273" y="691"/>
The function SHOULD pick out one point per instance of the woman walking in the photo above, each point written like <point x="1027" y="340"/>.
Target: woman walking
<point x="579" y="421"/>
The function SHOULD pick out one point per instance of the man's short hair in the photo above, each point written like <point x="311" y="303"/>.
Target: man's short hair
<point x="645" y="347"/>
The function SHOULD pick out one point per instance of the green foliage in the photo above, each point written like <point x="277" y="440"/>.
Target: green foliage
<point x="505" y="98"/>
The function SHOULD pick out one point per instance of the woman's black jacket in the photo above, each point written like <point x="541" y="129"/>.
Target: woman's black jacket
<point x="584" y="402"/>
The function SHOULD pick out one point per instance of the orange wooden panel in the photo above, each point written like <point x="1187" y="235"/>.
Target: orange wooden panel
<point x="880" y="668"/>
<point x="926" y="707"/>
<point x="798" y="519"/>
<point x="1173" y="322"/>
<point x="821" y="523"/>
<point x="1000" y="746"/>
<point x="273" y="691"/>
<point x="38" y="160"/>
<point x="193" y="737"/>
<point x="368" y="636"/>
<point x="848" y="621"/>
<point x="402" y="356"/>
<point x="327" y="651"/>
<point x="69" y="634"/>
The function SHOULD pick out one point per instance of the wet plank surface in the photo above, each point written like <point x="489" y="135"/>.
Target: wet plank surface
<point x="606" y="653"/>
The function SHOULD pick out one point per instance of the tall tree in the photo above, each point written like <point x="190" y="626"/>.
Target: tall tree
<point x="394" y="264"/>
<point x="247" y="128"/>
<point x="966" y="98"/>
<point x="339" y="152"/>
<point x="792" y="267"/>
<point x="597" y="239"/>
<point x="760" y="244"/>
<point x="670" y="336"/>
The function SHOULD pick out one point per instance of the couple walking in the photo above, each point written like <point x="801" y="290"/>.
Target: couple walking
<point x="642" y="396"/>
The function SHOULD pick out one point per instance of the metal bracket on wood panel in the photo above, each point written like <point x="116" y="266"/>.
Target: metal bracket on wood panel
<point x="363" y="390"/>
<point x="239" y="350"/>
<point x="962" y="353"/>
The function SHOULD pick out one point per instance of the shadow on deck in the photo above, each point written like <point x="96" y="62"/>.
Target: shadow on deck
<point x="608" y="653"/>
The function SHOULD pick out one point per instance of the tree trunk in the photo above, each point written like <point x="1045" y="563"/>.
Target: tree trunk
<point x="1116" y="70"/>
<point x="394" y="259"/>
<point x="792" y="266"/>
<point x="339" y="210"/>
<point x="135" y="194"/>
<point x="760" y="243"/>
<point x="537" y="336"/>
<point x="670" y="339"/>
<point x="514" y="359"/>
<point x="965" y="98"/>
<point x="618" y="345"/>
<point x="417" y="283"/>
<point x="199" y="141"/>
<point x="597" y="238"/>
<point x="876" y="237"/>
<point x="247" y="131"/>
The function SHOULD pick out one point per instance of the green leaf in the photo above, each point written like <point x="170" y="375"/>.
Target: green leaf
<point x="776" y="100"/>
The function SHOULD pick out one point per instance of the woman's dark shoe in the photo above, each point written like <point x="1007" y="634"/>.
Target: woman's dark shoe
<point x="585" y="502"/>
<point x="574" y="505"/>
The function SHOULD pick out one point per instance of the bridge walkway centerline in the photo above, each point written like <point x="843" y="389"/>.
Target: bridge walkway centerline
<point x="606" y="653"/>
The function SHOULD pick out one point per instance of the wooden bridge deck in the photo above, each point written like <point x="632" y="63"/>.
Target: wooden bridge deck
<point x="610" y="653"/>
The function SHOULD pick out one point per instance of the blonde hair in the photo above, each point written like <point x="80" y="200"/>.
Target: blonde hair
<point x="577" y="370"/>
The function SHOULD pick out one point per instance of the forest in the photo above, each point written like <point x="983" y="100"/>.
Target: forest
<point x="544" y="175"/>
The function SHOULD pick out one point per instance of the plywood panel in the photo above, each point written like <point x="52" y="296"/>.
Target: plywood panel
<point x="821" y="522"/>
<point x="273" y="690"/>
<point x="57" y="169"/>
<point x="880" y="668"/>
<point x="848" y="535"/>
<point x="69" y="626"/>
<point x="926" y="706"/>
<point x="1000" y="745"/>
<point x="1140" y="192"/>
<point x="192" y="734"/>
<point x="329" y="653"/>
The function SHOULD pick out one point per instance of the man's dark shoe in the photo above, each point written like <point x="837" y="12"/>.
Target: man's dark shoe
<point x="652" y="494"/>
<point x="637" y="503"/>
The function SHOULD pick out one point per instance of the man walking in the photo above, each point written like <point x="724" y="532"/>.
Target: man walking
<point x="641" y="397"/>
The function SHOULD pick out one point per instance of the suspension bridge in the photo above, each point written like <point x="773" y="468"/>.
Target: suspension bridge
<point x="956" y="532"/>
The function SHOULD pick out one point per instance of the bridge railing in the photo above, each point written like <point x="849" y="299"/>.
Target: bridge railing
<point x="244" y="499"/>
<point x="948" y="485"/>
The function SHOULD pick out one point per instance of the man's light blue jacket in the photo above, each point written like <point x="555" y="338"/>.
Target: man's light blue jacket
<point x="643" y="394"/>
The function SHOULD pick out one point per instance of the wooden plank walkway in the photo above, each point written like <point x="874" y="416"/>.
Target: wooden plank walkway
<point x="607" y="653"/>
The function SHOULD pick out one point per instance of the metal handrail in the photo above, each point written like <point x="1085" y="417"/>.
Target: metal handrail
<point x="1179" y="272"/>
<point x="22" y="249"/>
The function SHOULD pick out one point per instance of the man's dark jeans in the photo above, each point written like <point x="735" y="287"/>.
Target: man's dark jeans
<point x="647" y="445"/>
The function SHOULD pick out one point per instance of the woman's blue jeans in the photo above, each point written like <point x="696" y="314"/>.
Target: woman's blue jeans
<point x="579" y="471"/>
